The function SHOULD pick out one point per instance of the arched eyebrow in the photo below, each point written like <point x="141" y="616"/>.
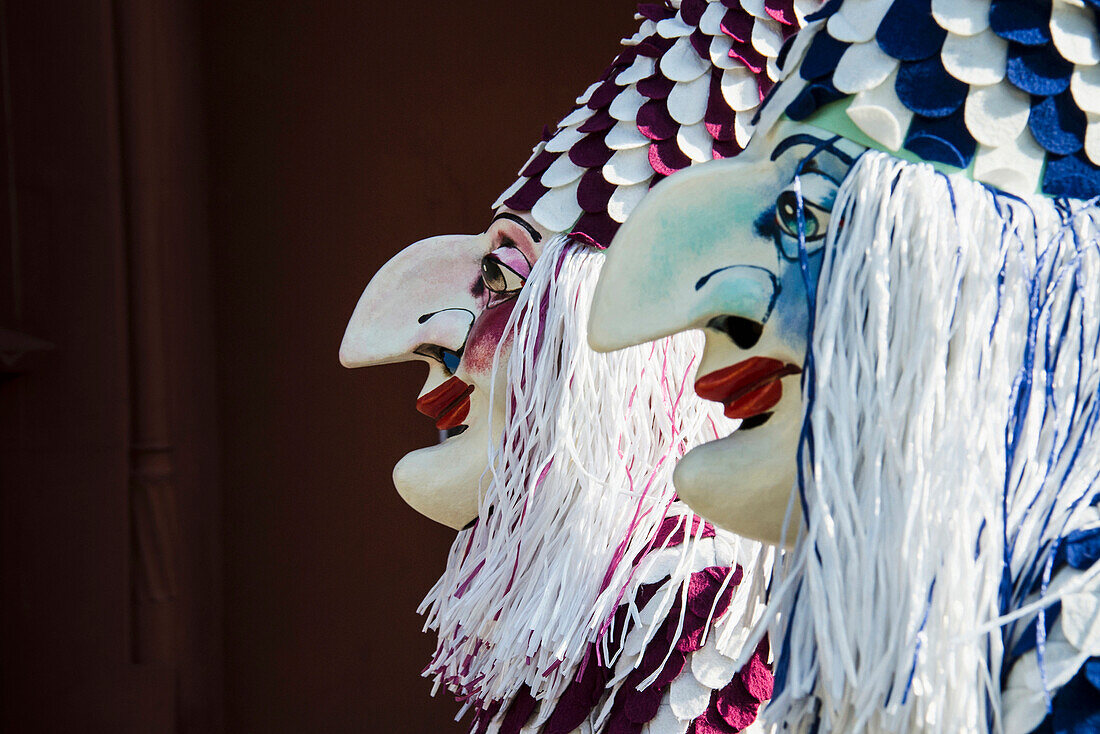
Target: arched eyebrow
<point x="535" y="236"/>
<point x="819" y="145"/>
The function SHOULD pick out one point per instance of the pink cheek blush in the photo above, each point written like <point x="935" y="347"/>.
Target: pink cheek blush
<point x="486" y="333"/>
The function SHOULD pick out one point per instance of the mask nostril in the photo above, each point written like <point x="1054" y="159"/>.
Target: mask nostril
<point x="743" y="332"/>
<point x="449" y="358"/>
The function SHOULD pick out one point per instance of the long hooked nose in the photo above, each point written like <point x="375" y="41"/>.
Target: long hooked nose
<point x="419" y="304"/>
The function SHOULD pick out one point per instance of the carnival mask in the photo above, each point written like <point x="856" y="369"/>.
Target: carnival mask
<point x="445" y="301"/>
<point x="718" y="248"/>
<point x="946" y="329"/>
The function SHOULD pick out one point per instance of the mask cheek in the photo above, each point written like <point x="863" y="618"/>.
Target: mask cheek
<point x="790" y="319"/>
<point x="487" y="332"/>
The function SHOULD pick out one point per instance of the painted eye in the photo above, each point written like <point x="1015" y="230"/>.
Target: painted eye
<point x="786" y="216"/>
<point x="498" y="277"/>
<point x="818" y="196"/>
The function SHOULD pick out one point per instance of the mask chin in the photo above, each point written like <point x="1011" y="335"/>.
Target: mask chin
<point x="441" y="482"/>
<point x="744" y="482"/>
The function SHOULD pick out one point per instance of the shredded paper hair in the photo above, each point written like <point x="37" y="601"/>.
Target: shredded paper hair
<point x="949" y="441"/>
<point x="578" y="490"/>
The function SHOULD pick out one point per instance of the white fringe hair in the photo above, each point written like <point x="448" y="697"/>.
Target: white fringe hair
<point x="949" y="440"/>
<point x="578" y="484"/>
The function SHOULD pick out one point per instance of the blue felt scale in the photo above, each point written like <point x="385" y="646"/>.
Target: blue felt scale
<point x="1022" y="21"/>
<point x="944" y="139"/>
<point x="1058" y="124"/>
<point x="1025" y="52"/>
<point x="1075" y="707"/>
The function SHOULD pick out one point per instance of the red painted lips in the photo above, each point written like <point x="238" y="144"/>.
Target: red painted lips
<point x="748" y="388"/>
<point x="448" y="405"/>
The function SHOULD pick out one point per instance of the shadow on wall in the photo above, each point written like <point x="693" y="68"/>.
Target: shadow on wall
<point x="339" y="133"/>
<point x="198" y="531"/>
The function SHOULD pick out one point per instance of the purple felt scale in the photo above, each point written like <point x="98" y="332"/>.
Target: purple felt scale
<point x="654" y="11"/>
<point x="691" y="11"/>
<point x="721" y="131"/>
<point x="579" y="699"/>
<point x="604" y="95"/>
<point x="700" y="42"/>
<point x="594" y="192"/>
<point x="591" y="151"/>
<point x="595" y="229"/>
<point x="641" y="706"/>
<point x="738" y="26"/>
<point x="747" y="54"/>
<point x="655" y="47"/>
<point x="600" y="121"/>
<point x="656" y="86"/>
<point x="719" y="118"/>
<point x="520" y="710"/>
<point x="781" y="11"/>
<point x="703" y="591"/>
<point x="667" y="158"/>
<point x="672" y="670"/>
<point x="757" y="676"/>
<point x="527" y="196"/>
<point x="673" y="532"/>
<point x="625" y="58"/>
<point x="654" y="121"/>
<point x="539" y="164"/>
<point x="726" y="148"/>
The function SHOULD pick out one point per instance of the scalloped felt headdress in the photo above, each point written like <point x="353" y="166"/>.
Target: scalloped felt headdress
<point x="1008" y="90"/>
<point x="683" y="90"/>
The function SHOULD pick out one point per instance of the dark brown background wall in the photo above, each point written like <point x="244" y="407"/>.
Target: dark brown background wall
<point x="198" y="532"/>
